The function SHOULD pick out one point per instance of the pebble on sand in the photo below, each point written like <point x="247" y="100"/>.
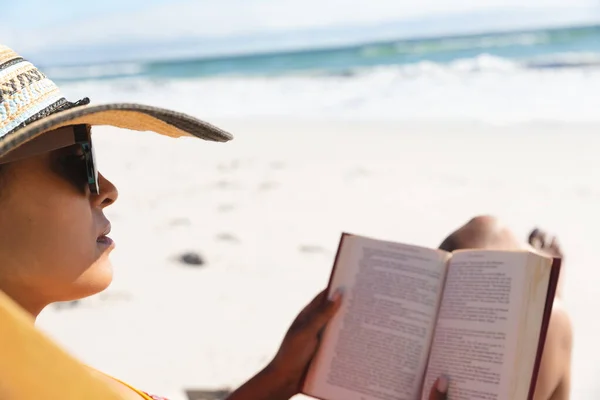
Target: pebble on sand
<point x="191" y="258"/>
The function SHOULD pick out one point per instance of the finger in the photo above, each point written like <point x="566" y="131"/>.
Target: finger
<point x="439" y="391"/>
<point x="314" y="304"/>
<point x="322" y="315"/>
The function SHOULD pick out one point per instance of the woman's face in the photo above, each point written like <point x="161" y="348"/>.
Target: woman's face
<point x="52" y="230"/>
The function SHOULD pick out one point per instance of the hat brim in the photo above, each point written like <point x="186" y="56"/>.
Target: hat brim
<point x="121" y="115"/>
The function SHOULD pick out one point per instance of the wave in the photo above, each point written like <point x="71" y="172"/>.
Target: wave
<point x="484" y="63"/>
<point x="441" y="45"/>
<point x="489" y="41"/>
<point x="479" y="64"/>
<point x="564" y="60"/>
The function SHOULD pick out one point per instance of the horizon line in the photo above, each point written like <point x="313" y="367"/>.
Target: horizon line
<point x="324" y="47"/>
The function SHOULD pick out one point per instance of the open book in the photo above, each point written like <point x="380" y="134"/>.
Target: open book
<point x="410" y="314"/>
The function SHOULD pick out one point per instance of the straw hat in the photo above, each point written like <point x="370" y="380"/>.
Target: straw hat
<point x="31" y="104"/>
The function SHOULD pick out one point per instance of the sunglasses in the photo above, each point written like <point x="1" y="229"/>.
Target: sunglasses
<point x="57" y="139"/>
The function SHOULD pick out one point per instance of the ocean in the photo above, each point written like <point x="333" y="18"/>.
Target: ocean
<point x="543" y="75"/>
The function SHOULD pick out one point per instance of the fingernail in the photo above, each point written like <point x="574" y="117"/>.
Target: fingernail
<point x="442" y="384"/>
<point x="337" y="294"/>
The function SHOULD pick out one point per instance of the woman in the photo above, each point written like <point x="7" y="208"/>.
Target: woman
<point x="54" y="243"/>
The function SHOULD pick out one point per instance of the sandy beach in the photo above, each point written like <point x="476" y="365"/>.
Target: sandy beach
<point x="265" y="212"/>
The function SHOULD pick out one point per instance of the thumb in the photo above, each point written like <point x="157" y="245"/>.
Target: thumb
<point x="439" y="391"/>
<point x="323" y="314"/>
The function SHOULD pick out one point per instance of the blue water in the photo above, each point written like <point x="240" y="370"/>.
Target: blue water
<point x="548" y="48"/>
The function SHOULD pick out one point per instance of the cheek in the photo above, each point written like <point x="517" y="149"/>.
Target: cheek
<point x="50" y="241"/>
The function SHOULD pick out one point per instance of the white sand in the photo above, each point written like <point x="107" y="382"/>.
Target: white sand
<point x="266" y="212"/>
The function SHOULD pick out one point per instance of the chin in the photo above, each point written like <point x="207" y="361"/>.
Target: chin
<point x="94" y="280"/>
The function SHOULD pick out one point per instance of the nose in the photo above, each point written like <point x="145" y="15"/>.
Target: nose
<point x="108" y="193"/>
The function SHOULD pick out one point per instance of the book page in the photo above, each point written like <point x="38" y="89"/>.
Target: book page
<point x="479" y="339"/>
<point x="376" y="347"/>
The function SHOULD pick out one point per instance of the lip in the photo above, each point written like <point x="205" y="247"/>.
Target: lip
<point x="104" y="239"/>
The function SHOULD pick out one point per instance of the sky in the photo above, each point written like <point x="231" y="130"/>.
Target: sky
<point x="71" y="24"/>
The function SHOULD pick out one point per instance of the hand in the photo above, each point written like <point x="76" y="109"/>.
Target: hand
<point x="301" y="342"/>
<point x="439" y="391"/>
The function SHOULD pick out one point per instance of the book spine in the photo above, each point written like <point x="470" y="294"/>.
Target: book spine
<point x="552" y="286"/>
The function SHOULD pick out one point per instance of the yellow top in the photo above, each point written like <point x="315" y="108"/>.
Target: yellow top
<point x="33" y="367"/>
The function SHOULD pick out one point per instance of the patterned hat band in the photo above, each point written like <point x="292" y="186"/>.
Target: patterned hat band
<point x="26" y="94"/>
